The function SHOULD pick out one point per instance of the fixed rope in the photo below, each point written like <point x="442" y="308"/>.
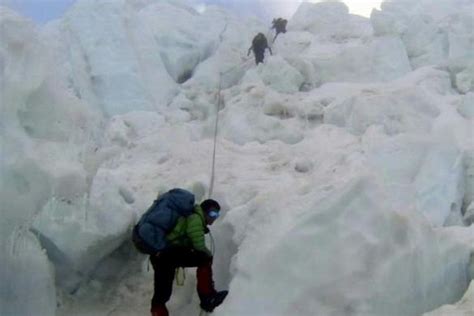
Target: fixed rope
<point x="219" y="100"/>
<point x="216" y="125"/>
<point x="213" y="245"/>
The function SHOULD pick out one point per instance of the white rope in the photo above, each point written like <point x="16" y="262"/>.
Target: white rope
<point x="218" y="107"/>
<point x="213" y="245"/>
<point x="219" y="98"/>
<point x="213" y="168"/>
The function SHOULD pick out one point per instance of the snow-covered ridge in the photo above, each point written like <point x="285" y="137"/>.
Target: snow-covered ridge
<point x="345" y="162"/>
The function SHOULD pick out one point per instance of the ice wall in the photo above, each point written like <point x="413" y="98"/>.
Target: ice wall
<point x="116" y="61"/>
<point x="339" y="46"/>
<point x="46" y="134"/>
<point x="27" y="277"/>
<point x="346" y="255"/>
<point x="393" y="156"/>
<point x="433" y="32"/>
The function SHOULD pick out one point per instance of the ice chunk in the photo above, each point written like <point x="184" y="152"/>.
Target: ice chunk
<point x="330" y="20"/>
<point x="397" y="111"/>
<point x="434" y="32"/>
<point x="379" y="59"/>
<point x="21" y="194"/>
<point x="82" y="231"/>
<point x="280" y="76"/>
<point x="107" y="67"/>
<point x="354" y="238"/>
<point x="337" y="54"/>
<point x="341" y="47"/>
<point x="439" y="185"/>
<point x="26" y="277"/>
<point x="462" y="308"/>
<point x="466" y="106"/>
<point x="469" y="177"/>
<point x="465" y="80"/>
<point x="469" y="214"/>
<point x="268" y="115"/>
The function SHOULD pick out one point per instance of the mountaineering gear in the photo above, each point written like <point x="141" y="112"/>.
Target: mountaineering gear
<point x="259" y="41"/>
<point x="159" y="310"/>
<point x="189" y="232"/>
<point x="280" y="26"/>
<point x="216" y="124"/>
<point x="166" y="264"/>
<point x="149" y="235"/>
<point x="209" y="205"/>
<point x="210" y="303"/>
<point x="181" y="244"/>
<point x="259" y="44"/>
<point x="213" y="214"/>
<point x="141" y="245"/>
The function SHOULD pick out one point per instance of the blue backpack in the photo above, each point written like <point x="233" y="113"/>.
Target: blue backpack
<point x="149" y="234"/>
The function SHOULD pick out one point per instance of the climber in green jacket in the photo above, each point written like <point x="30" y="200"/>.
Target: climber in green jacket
<point x="187" y="248"/>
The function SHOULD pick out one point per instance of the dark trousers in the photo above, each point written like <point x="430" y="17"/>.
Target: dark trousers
<point x="259" y="54"/>
<point x="165" y="265"/>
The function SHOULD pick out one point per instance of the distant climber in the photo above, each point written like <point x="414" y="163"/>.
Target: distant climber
<point x="280" y="26"/>
<point x="259" y="44"/>
<point x="180" y="245"/>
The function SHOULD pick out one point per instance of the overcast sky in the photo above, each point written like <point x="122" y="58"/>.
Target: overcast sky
<point x="39" y="10"/>
<point x="44" y="10"/>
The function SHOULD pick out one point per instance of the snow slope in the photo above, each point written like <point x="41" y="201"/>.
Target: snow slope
<point x="345" y="162"/>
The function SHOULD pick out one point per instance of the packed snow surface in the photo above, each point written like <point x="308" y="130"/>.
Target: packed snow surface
<point x="344" y="163"/>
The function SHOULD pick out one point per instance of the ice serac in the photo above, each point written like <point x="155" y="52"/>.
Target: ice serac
<point x="433" y="32"/>
<point x="464" y="307"/>
<point x="441" y="174"/>
<point x="135" y="57"/>
<point x="331" y="20"/>
<point x="27" y="277"/>
<point x="231" y="37"/>
<point x="104" y="67"/>
<point x="339" y="46"/>
<point x="419" y="169"/>
<point x="400" y="106"/>
<point x="281" y="76"/>
<point x="43" y="133"/>
<point x="49" y="135"/>
<point x="80" y="231"/>
<point x="348" y="253"/>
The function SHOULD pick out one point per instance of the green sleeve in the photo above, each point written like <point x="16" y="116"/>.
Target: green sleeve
<point x="195" y="232"/>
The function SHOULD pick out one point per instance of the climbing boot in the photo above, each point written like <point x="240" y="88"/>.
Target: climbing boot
<point x="212" y="301"/>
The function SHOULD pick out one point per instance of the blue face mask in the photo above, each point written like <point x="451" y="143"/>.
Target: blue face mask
<point x="213" y="214"/>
